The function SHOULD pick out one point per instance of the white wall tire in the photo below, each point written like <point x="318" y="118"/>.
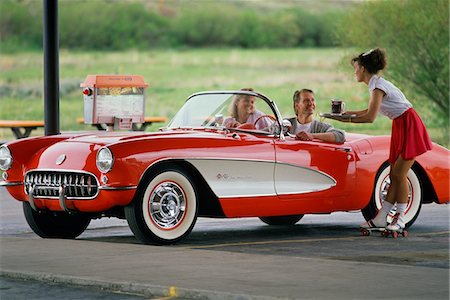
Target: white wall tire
<point x="165" y="210"/>
<point x="380" y="190"/>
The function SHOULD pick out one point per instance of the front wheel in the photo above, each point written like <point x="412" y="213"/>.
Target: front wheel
<point x="281" y="220"/>
<point x="382" y="184"/>
<point x="165" y="209"/>
<point x="55" y="225"/>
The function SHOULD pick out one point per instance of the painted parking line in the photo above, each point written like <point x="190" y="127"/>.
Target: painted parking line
<point x="301" y="241"/>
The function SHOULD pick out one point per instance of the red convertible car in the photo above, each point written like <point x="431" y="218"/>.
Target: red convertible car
<point x="196" y="167"/>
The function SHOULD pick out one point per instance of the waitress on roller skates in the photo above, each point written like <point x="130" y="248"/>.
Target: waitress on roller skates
<point x="409" y="137"/>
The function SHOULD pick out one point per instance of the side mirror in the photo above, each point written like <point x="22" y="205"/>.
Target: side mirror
<point x="286" y="126"/>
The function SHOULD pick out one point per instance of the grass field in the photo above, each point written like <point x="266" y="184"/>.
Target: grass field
<point x="174" y="75"/>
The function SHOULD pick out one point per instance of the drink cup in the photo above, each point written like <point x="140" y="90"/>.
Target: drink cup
<point x="218" y="119"/>
<point x="337" y="106"/>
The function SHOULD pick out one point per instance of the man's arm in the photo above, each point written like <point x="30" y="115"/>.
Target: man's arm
<point x="326" y="132"/>
<point x="328" y="137"/>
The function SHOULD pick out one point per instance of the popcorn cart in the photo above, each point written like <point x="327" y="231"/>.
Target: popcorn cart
<point x="115" y="100"/>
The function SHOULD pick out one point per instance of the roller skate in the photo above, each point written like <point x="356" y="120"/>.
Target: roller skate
<point x="376" y="224"/>
<point x="396" y="228"/>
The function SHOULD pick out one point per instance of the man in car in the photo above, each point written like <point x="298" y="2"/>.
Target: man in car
<point x="305" y="127"/>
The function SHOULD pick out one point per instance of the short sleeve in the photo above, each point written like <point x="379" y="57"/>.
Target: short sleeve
<point x="377" y="83"/>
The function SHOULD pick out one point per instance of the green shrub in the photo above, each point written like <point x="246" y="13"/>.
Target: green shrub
<point x="20" y="26"/>
<point x="210" y="26"/>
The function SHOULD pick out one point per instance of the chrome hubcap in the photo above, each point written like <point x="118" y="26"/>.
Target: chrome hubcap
<point x="167" y="205"/>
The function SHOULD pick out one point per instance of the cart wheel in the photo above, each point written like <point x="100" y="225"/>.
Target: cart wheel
<point x="405" y="233"/>
<point x="394" y="234"/>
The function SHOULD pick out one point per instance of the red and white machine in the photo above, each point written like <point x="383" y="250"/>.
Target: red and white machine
<point x="114" y="100"/>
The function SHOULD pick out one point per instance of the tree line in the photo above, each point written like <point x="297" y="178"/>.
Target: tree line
<point x="118" y="25"/>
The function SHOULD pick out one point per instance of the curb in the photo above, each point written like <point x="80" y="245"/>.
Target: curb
<point x="146" y="290"/>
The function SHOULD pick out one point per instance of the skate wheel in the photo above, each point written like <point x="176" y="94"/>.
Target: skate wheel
<point x="405" y="233"/>
<point x="365" y="232"/>
<point x="394" y="234"/>
<point x="385" y="233"/>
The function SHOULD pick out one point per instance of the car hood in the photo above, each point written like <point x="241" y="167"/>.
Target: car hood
<point x="80" y="149"/>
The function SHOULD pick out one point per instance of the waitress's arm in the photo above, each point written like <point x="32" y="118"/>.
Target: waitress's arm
<point x="364" y="116"/>
<point x="372" y="111"/>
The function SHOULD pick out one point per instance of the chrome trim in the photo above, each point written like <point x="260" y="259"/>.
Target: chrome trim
<point x="112" y="157"/>
<point x="31" y="199"/>
<point x="279" y="179"/>
<point x="51" y="182"/>
<point x="14" y="183"/>
<point x="60" y="159"/>
<point x="118" y="188"/>
<point x="59" y="170"/>
<point x="10" y="153"/>
<point x="247" y="196"/>
<point x="186" y="158"/>
<point x="257" y="160"/>
<point x="62" y="199"/>
<point x="273" y="106"/>
<point x="240" y="159"/>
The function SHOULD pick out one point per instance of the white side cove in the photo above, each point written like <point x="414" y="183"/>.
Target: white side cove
<point x="237" y="178"/>
<point x="244" y="178"/>
<point x="292" y="179"/>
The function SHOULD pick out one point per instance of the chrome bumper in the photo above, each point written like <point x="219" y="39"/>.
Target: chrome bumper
<point x="61" y="191"/>
<point x="5" y="183"/>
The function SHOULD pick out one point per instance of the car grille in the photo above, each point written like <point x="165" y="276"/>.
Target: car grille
<point x="76" y="185"/>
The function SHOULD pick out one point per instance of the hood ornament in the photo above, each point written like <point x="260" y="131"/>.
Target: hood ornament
<point x="60" y="159"/>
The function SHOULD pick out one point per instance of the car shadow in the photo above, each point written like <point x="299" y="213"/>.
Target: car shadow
<point x="232" y="235"/>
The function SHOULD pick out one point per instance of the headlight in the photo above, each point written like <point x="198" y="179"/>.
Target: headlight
<point x="105" y="160"/>
<point x="5" y="158"/>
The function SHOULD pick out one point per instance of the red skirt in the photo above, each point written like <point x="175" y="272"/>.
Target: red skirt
<point x="409" y="137"/>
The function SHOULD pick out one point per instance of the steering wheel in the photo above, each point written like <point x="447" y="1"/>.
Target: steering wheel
<point x="263" y="116"/>
<point x="246" y="126"/>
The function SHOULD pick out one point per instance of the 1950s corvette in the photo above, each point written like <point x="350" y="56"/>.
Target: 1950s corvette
<point x="162" y="181"/>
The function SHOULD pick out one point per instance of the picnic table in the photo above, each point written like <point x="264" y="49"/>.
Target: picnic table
<point x="21" y="128"/>
<point x="147" y="122"/>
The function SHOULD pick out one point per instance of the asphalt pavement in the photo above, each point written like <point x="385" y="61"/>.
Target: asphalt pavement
<point x="323" y="257"/>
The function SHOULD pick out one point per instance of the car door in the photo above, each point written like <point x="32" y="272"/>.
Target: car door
<point x="322" y="173"/>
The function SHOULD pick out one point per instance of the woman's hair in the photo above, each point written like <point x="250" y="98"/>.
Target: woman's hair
<point x="373" y="60"/>
<point x="237" y="97"/>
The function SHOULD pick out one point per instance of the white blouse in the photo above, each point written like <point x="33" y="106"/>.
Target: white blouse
<point x="394" y="103"/>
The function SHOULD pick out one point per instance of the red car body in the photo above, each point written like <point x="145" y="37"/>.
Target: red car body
<point x="233" y="173"/>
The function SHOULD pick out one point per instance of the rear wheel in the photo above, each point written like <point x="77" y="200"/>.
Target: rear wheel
<point x="382" y="184"/>
<point x="165" y="209"/>
<point x="281" y="220"/>
<point x="55" y="224"/>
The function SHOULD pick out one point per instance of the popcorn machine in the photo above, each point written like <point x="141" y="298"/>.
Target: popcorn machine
<point x="115" y="100"/>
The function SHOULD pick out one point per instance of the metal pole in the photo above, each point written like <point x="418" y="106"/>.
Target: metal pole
<point x="51" y="67"/>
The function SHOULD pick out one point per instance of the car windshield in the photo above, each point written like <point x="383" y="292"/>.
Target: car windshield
<point x="225" y="109"/>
